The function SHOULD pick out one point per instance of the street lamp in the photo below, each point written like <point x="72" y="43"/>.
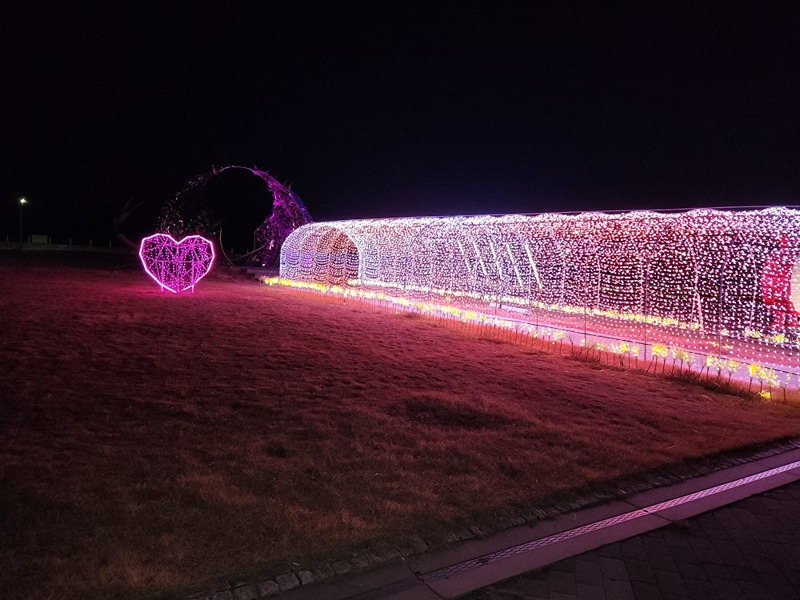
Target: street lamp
<point x="22" y="202"/>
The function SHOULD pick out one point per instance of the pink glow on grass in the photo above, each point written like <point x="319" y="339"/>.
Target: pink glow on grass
<point x="176" y="265"/>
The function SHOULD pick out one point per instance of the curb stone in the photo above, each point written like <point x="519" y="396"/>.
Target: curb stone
<point x="412" y="546"/>
<point x="385" y="552"/>
<point x="360" y="562"/>
<point x="323" y="571"/>
<point x="246" y="592"/>
<point x="268" y="588"/>
<point x="342" y="567"/>
<point x="287" y="581"/>
<point x="465" y="534"/>
<point x="306" y="577"/>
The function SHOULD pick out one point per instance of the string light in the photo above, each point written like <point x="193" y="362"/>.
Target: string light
<point x="176" y="265"/>
<point x="706" y="288"/>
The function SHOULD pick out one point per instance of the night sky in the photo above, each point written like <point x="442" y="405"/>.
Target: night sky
<point x="397" y="108"/>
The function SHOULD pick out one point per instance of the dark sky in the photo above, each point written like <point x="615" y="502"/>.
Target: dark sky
<point x="388" y="108"/>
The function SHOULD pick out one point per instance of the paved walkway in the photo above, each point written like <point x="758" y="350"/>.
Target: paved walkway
<point x="748" y="550"/>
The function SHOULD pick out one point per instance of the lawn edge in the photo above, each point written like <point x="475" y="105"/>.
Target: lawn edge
<point x="382" y="553"/>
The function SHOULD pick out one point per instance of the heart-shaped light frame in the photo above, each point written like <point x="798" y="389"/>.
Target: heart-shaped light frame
<point x="176" y="266"/>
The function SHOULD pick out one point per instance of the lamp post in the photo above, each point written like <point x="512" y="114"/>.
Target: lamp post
<point x="22" y="202"/>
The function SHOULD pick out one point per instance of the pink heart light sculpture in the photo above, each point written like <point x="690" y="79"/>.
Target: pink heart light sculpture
<point x="176" y="265"/>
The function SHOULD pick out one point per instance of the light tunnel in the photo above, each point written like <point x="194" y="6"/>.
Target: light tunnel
<point x="706" y="273"/>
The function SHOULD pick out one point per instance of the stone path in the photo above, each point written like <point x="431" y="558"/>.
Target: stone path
<point x="748" y="550"/>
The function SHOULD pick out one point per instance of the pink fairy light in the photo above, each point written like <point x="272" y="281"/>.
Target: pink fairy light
<point x="176" y="265"/>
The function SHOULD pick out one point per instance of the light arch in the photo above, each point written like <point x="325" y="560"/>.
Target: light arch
<point x="323" y="254"/>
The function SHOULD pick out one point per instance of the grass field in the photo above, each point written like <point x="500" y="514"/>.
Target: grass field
<point x="150" y="442"/>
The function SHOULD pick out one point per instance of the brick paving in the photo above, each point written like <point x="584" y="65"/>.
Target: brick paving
<point x="749" y="550"/>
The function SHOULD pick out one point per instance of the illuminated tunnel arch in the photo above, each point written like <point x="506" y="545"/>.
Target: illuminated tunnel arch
<point x="321" y="254"/>
<point x="703" y="269"/>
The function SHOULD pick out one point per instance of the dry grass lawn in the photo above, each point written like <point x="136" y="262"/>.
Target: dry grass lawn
<point x="150" y="442"/>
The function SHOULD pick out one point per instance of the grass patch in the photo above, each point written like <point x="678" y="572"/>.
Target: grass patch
<point x="151" y="442"/>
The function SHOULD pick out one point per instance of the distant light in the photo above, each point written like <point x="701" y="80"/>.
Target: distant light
<point x="23" y="201"/>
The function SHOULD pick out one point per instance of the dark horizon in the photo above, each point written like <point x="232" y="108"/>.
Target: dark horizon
<point x="379" y="110"/>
